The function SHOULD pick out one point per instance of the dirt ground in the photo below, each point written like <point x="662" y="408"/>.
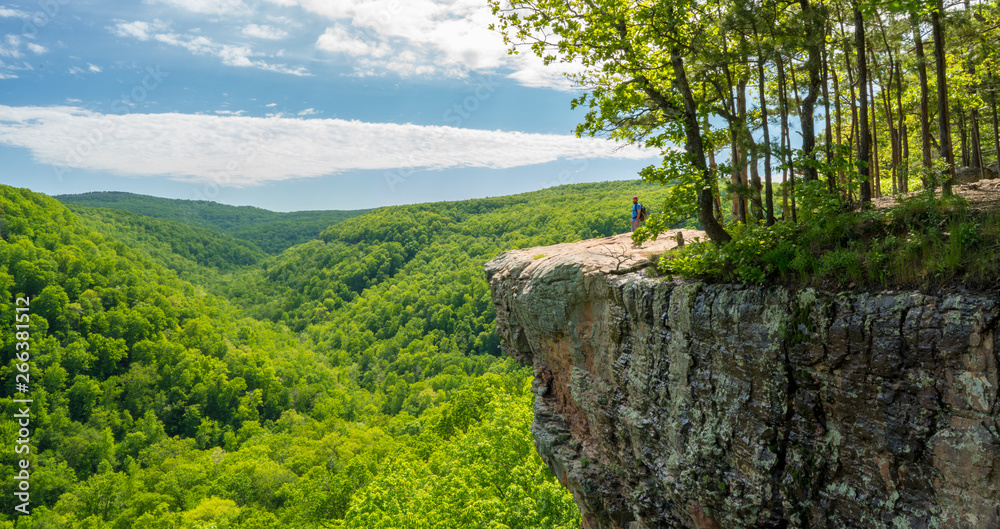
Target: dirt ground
<point x="981" y="195"/>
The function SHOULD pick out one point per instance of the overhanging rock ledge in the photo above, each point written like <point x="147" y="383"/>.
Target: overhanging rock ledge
<point x="671" y="404"/>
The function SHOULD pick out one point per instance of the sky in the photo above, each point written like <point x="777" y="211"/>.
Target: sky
<point x="286" y="105"/>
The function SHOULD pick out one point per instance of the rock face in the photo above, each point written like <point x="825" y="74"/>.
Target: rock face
<point x="680" y="404"/>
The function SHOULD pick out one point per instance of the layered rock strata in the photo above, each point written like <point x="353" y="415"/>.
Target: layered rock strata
<point x="665" y="403"/>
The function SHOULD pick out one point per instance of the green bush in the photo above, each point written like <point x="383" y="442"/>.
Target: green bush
<point x="922" y="242"/>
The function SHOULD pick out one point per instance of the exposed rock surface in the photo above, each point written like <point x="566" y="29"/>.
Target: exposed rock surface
<point x="681" y="404"/>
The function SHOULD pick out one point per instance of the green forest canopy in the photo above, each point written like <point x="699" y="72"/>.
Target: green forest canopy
<point x="269" y="230"/>
<point x="354" y="380"/>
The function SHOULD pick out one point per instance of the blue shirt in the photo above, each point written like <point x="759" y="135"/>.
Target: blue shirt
<point x="635" y="210"/>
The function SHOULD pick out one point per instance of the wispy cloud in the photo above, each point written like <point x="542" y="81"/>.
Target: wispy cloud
<point x="309" y="112"/>
<point x="138" y="29"/>
<point x="8" y="71"/>
<point x="264" y="32"/>
<point x="245" y="151"/>
<point x="208" y="7"/>
<point x="10" y="47"/>
<point x="229" y="54"/>
<point x="6" y="12"/>
<point x="37" y="49"/>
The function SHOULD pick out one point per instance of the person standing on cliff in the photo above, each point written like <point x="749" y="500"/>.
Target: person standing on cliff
<point x="637" y="213"/>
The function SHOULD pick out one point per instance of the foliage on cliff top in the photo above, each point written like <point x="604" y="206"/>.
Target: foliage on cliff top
<point x="924" y="242"/>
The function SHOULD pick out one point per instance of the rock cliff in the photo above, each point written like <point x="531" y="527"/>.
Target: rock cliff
<point x="681" y="404"/>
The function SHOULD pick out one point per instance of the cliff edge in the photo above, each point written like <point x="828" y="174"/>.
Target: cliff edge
<point x="674" y="404"/>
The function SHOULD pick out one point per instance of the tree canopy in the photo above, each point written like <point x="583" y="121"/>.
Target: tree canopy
<point x="702" y="80"/>
<point x="183" y="378"/>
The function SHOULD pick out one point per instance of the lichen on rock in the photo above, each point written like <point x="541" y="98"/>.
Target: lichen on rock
<point x="680" y="404"/>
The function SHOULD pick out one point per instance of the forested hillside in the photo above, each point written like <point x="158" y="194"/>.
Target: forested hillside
<point x="196" y="254"/>
<point x="271" y="231"/>
<point x="351" y="381"/>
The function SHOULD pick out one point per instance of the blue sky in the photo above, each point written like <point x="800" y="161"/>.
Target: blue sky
<point x="285" y="104"/>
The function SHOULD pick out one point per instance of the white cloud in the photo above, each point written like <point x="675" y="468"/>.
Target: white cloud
<point x="208" y="7"/>
<point x="269" y="105"/>
<point x="229" y="54"/>
<point x="284" y="21"/>
<point x="309" y="112"/>
<point x="139" y="29"/>
<point x="91" y="68"/>
<point x="337" y="40"/>
<point x="37" y="49"/>
<point x="7" y="71"/>
<point x="264" y="32"/>
<point x="425" y="37"/>
<point x="6" y="12"/>
<point x="10" y="47"/>
<point x="531" y="71"/>
<point x="245" y="151"/>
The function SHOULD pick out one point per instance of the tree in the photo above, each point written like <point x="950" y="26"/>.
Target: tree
<point x="635" y="58"/>
<point x="864" y="141"/>
<point x="944" y="121"/>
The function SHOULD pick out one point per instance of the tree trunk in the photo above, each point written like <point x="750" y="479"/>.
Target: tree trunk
<point x="786" y="135"/>
<point x="748" y="171"/>
<point x="694" y="146"/>
<point x="751" y="154"/>
<point x="768" y="190"/>
<point x="757" y="208"/>
<point x="831" y="181"/>
<point x="714" y="168"/>
<point x="977" y="148"/>
<point x="841" y="177"/>
<point x="737" y="156"/>
<point x="864" y="142"/>
<point x="813" y="38"/>
<point x="855" y="122"/>
<point x="963" y="137"/>
<point x="925" y="127"/>
<point x="875" y="167"/>
<point x="904" y="179"/>
<point x="944" y="121"/>
<point x="996" y="130"/>
<point x="894" y="140"/>
<point x="893" y="136"/>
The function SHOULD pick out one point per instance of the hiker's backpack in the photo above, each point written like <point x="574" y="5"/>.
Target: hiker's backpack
<point x="642" y="213"/>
